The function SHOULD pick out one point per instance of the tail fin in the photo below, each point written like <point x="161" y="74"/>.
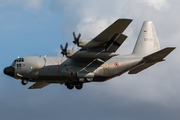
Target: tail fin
<point x="147" y="42"/>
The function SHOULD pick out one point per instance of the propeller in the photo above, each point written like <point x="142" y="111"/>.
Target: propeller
<point x="76" y="39"/>
<point x="64" y="50"/>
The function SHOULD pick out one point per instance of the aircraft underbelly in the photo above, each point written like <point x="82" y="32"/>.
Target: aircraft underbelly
<point x="51" y="79"/>
<point x="57" y="79"/>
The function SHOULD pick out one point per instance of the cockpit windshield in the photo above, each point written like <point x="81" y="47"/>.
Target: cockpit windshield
<point x="17" y="60"/>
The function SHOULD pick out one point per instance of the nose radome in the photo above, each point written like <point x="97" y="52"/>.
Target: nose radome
<point x="9" y="71"/>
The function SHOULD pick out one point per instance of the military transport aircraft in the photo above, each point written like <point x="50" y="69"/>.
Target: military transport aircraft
<point x="96" y="61"/>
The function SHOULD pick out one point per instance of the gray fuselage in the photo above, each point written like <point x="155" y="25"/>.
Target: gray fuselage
<point x="54" y="70"/>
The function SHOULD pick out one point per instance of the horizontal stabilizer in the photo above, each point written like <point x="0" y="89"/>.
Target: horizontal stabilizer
<point x="151" y="60"/>
<point x="39" y="85"/>
<point x="159" y="55"/>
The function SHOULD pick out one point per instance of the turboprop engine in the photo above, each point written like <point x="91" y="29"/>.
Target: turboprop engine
<point x="85" y="43"/>
<point x="88" y="43"/>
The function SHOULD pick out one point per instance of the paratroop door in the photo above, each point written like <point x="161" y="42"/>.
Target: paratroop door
<point x="105" y="69"/>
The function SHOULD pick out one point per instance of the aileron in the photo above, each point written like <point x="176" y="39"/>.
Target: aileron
<point x="116" y="28"/>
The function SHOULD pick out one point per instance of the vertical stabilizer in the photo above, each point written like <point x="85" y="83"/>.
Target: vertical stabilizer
<point x="147" y="41"/>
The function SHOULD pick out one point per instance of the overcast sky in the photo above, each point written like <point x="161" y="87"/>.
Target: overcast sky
<point x="38" y="27"/>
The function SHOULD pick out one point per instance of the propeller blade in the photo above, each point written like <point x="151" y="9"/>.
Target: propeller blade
<point x="74" y="35"/>
<point x="75" y="41"/>
<point x="61" y="47"/>
<point x="79" y="36"/>
<point x="66" y="46"/>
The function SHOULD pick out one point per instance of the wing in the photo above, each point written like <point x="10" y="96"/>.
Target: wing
<point x="111" y="38"/>
<point x="39" y="85"/>
<point x="151" y="60"/>
<point x="105" y="44"/>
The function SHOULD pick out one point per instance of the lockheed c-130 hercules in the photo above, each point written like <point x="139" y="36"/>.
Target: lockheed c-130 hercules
<point x="96" y="61"/>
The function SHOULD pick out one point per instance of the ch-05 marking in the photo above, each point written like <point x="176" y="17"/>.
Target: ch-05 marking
<point x="148" y="39"/>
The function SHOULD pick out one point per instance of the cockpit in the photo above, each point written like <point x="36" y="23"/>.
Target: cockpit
<point x="17" y="61"/>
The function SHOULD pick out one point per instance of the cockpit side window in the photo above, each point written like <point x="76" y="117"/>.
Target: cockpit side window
<point x="18" y="65"/>
<point x="13" y="64"/>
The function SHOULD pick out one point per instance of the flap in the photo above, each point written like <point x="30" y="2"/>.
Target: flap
<point x="114" y="44"/>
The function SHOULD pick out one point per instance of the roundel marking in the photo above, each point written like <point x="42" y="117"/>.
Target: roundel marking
<point x="116" y="64"/>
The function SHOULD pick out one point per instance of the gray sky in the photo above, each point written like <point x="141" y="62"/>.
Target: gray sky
<point x="34" y="27"/>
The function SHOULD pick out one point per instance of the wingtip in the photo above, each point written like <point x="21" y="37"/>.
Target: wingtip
<point x="172" y="48"/>
<point x="125" y="19"/>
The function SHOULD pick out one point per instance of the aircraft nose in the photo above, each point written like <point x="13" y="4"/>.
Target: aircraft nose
<point x="9" y="71"/>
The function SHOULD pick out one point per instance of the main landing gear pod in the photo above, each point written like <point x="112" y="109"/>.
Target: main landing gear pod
<point x="82" y="76"/>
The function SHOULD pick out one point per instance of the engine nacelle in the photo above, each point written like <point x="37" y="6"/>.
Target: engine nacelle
<point x="83" y="42"/>
<point x="88" y="43"/>
<point x="70" y="53"/>
<point x="92" y="55"/>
